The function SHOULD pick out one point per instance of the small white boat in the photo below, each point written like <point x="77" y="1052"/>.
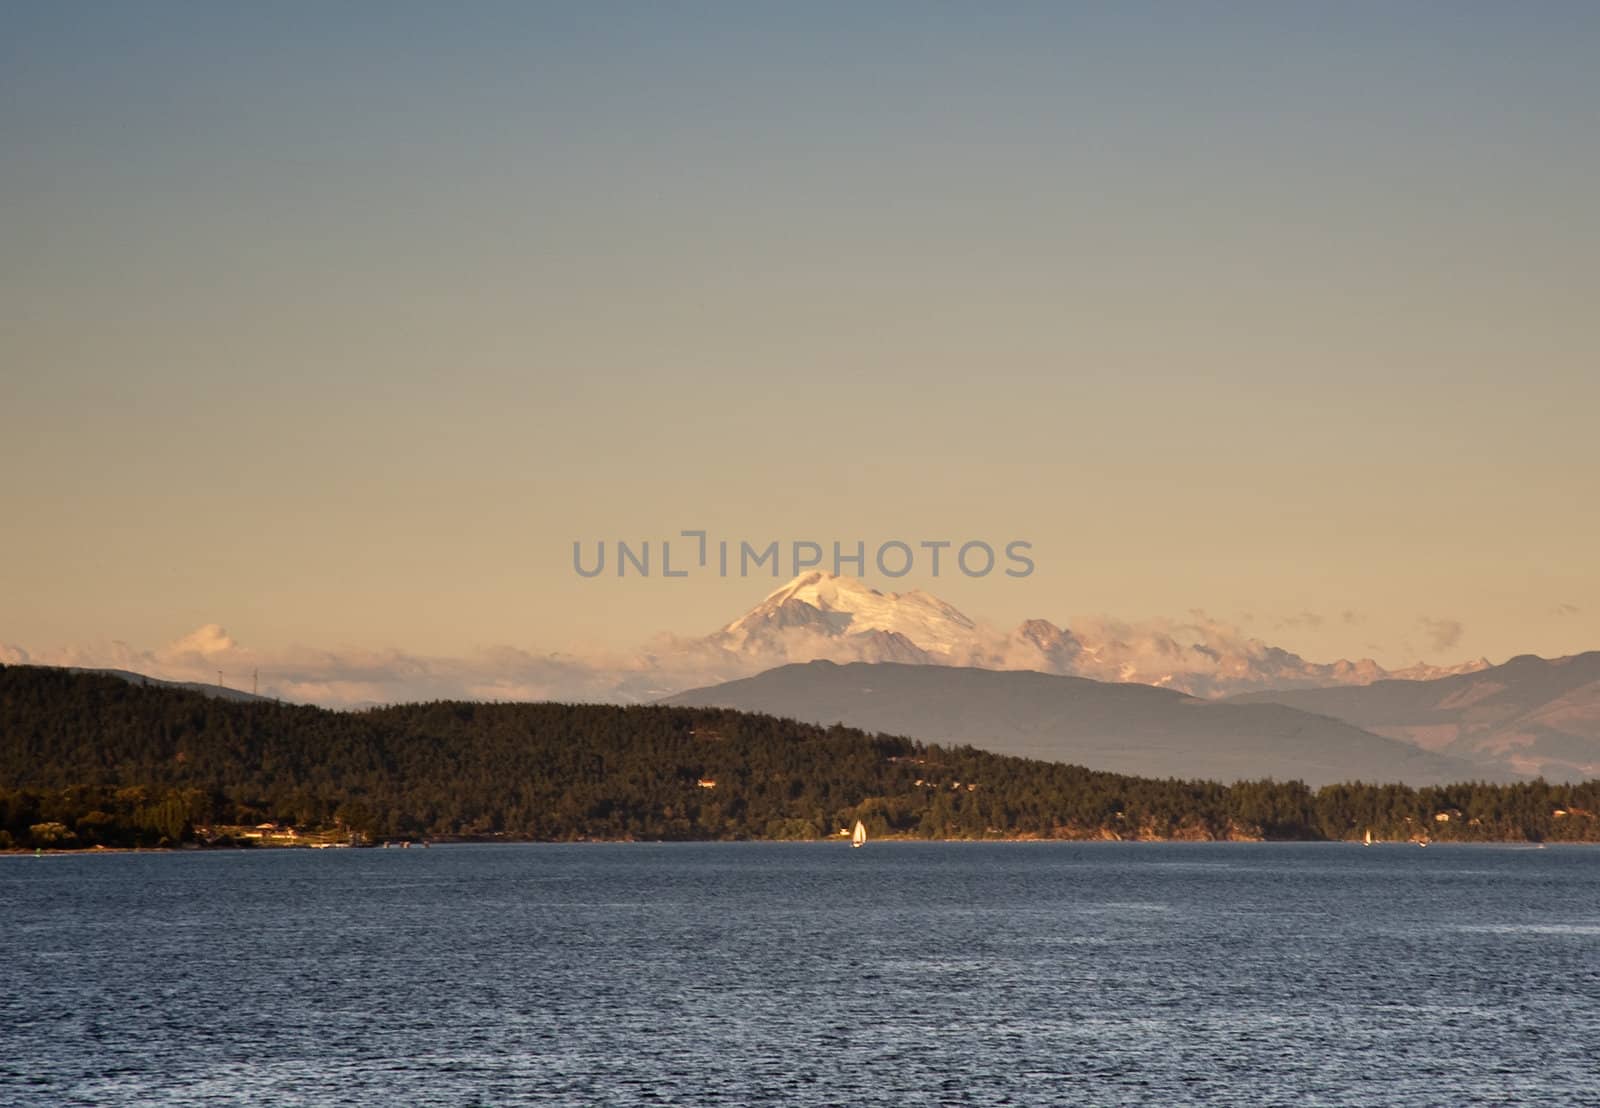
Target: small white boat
<point x="858" y="835"/>
<point x="1368" y="840"/>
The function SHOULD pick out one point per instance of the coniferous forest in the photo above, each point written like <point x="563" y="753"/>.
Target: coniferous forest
<point x="92" y="760"/>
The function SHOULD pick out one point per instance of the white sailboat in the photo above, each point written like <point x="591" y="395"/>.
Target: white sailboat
<point x="1368" y="841"/>
<point x="858" y="836"/>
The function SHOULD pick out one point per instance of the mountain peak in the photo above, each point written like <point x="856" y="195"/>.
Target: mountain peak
<point x="816" y="586"/>
<point x="838" y="607"/>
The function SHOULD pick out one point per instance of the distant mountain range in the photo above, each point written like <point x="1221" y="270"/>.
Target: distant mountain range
<point x="1125" y="713"/>
<point x="841" y="619"/>
<point x="1531" y="715"/>
<point x="1528" y="717"/>
<point x="1124" y="728"/>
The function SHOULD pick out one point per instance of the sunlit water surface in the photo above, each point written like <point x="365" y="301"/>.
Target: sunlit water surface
<point x="903" y="973"/>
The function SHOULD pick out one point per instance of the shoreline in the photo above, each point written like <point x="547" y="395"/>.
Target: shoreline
<point x="1520" y="844"/>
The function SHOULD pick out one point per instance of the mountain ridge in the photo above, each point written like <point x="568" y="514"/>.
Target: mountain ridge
<point x="222" y="692"/>
<point x="1534" y="715"/>
<point x="1107" y="726"/>
<point x="88" y="761"/>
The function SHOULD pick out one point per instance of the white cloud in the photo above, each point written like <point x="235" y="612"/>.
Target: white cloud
<point x="350" y="678"/>
<point x="206" y="641"/>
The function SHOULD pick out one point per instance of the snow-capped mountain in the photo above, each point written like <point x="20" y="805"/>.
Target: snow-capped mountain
<point x="822" y="616"/>
<point x="910" y="626"/>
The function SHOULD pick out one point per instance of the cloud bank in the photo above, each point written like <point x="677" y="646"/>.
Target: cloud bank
<point x="1198" y="654"/>
<point x="354" y="678"/>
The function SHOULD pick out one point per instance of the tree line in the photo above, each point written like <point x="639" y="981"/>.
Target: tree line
<point x="93" y="760"/>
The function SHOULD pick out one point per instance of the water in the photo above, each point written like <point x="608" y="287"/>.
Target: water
<point x="904" y="973"/>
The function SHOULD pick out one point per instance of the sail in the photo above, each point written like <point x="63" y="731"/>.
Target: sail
<point x="859" y="835"/>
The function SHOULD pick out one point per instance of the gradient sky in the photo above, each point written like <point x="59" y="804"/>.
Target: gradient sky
<point x="337" y="324"/>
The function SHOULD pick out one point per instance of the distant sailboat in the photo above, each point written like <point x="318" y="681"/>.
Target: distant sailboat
<point x="1368" y="841"/>
<point x="858" y="837"/>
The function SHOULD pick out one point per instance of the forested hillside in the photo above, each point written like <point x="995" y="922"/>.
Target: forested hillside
<point x="87" y="759"/>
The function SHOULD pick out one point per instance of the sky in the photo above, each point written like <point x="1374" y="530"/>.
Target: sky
<point x="336" y="326"/>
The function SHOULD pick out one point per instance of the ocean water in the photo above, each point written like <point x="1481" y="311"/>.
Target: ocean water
<point x="805" y="974"/>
